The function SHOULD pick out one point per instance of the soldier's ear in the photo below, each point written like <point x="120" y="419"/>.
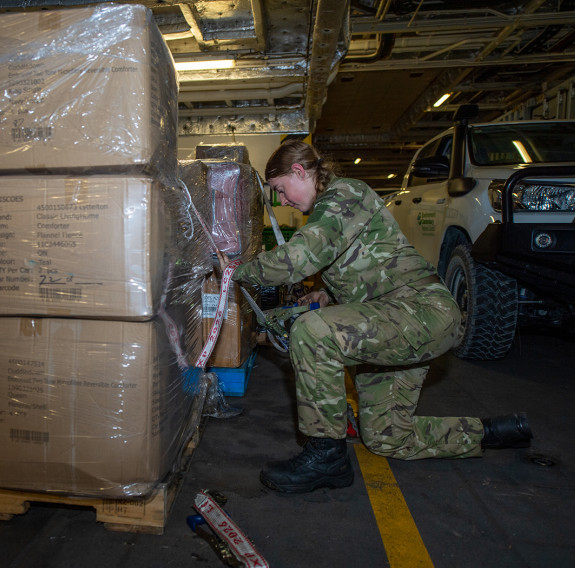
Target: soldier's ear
<point x="298" y="170"/>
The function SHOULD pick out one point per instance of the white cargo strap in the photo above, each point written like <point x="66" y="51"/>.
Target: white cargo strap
<point x="275" y="225"/>
<point x="219" y="317"/>
<point x="228" y="531"/>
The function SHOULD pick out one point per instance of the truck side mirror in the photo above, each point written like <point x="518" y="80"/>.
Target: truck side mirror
<point x="460" y="186"/>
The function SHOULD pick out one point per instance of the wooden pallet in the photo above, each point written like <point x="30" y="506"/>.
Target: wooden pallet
<point x="143" y="515"/>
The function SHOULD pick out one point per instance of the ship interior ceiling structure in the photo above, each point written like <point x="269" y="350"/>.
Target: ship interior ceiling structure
<point x="369" y="82"/>
<point x="363" y="77"/>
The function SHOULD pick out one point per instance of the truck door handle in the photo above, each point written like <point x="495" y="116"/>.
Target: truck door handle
<point x="416" y="200"/>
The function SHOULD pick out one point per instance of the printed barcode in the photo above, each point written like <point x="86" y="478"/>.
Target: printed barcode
<point x="67" y="294"/>
<point x="210" y="306"/>
<point x="35" y="133"/>
<point x="33" y="436"/>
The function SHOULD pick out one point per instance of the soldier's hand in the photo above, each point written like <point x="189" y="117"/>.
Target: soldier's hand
<point x="223" y="258"/>
<point x="319" y="296"/>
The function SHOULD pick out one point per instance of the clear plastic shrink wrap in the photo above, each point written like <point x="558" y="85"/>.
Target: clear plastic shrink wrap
<point x="237" y="223"/>
<point x="228" y="152"/>
<point x="191" y="193"/>
<point x="86" y="89"/>
<point x="103" y="407"/>
<point x="188" y="195"/>
<point x="237" y="208"/>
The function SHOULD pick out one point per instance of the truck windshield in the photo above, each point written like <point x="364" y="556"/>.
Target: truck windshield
<point x="529" y="143"/>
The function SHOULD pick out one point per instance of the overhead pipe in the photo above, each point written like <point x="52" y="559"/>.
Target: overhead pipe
<point x="385" y="45"/>
<point x="241" y="94"/>
<point x="194" y="32"/>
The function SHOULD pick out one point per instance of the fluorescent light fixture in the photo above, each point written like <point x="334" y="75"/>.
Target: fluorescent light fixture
<point x="523" y="151"/>
<point x="391" y="176"/>
<point x="441" y="100"/>
<point x="356" y="161"/>
<point x="204" y="64"/>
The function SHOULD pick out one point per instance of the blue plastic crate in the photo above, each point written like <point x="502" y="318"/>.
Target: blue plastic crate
<point x="234" y="381"/>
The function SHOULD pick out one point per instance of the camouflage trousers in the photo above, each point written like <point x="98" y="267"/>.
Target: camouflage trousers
<point x="396" y="336"/>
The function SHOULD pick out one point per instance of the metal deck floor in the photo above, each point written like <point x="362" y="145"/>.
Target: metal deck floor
<point x="510" y="508"/>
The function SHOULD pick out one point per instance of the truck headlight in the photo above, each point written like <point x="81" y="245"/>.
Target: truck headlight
<point x="535" y="196"/>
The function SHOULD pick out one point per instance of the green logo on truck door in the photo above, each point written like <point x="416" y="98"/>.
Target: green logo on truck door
<point x="426" y="221"/>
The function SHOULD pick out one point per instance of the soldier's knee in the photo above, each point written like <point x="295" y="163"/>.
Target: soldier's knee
<point x="296" y="334"/>
<point x="309" y="327"/>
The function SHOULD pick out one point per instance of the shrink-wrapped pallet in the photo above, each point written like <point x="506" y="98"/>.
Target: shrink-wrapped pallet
<point x="235" y="220"/>
<point x="101" y="259"/>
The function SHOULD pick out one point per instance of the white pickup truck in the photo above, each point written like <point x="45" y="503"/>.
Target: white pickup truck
<point x="492" y="206"/>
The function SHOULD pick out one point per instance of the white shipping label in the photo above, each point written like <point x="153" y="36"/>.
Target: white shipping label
<point x="210" y="306"/>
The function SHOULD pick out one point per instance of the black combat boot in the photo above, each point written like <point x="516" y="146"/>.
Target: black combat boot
<point x="323" y="463"/>
<point x="511" y="431"/>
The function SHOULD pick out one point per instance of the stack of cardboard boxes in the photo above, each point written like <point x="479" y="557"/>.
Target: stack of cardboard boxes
<point x="100" y="266"/>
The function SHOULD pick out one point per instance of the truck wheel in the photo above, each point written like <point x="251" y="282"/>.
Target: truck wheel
<point x="489" y="307"/>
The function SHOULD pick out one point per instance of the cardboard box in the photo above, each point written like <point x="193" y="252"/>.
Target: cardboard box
<point x="82" y="92"/>
<point x="237" y="336"/>
<point x="83" y="247"/>
<point x="91" y="407"/>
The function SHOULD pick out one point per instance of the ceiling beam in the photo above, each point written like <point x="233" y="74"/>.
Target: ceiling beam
<point x="437" y="20"/>
<point x="417" y="63"/>
<point x="243" y="122"/>
<point x="259" y="25"/>
<point x="329" y="20"/>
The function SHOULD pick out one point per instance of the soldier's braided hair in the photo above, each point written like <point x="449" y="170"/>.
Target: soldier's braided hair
<point x="298" y="152"/>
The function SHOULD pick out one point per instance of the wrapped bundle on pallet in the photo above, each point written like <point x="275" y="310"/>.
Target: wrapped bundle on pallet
<point x="236" y="219"/>
<point x="237" y="208"/>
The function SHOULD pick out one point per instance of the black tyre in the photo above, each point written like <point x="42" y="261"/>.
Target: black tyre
<point x="489" y="307"/>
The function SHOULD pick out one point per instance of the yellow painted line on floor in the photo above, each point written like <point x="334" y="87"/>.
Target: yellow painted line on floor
<point x="401" y="539"/>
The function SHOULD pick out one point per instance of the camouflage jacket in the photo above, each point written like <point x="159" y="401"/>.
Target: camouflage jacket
<point x="352" y="239"/>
